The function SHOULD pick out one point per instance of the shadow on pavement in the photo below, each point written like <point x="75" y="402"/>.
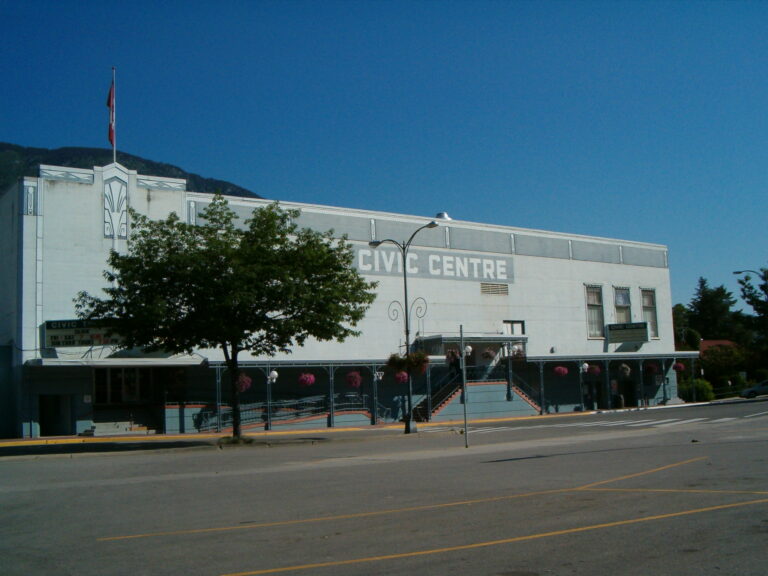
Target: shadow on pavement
<point x="117" y="446"/>
<point x="98" y="448"/>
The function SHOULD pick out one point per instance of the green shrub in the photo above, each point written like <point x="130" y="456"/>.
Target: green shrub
<point x="704" y="392"/>
<point x="726" y="390"/>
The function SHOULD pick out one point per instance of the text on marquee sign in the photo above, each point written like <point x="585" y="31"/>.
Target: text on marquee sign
<point x="473" y="267"/>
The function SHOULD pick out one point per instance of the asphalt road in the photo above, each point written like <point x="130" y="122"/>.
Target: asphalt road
<point x="673" y="491"/>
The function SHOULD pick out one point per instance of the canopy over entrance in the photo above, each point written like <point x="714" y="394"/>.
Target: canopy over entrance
<point x="438" y="344"/>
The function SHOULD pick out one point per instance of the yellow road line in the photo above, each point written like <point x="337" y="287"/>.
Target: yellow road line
<point x="495" y="542"/>
<point x="676" y="491"/>
<point x="644" y="473"/>
<point x="383" y="512"/>
<point x="333" y="518"/>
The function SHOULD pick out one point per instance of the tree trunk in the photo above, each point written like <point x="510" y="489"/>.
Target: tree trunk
<point x="236" y="427"/>
<point x="232" y="364"/>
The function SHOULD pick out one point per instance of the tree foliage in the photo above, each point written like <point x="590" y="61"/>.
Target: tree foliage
<point x="722" y="364"/>
<point x="757" y="298"/>
<point x="686" y="338"/>
<point x="699" y="390"/>
<point x="711" y="314"/>
<point x="263" y="288"/>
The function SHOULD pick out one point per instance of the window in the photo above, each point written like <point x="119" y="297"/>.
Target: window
<point x="514" y="328"/>
<point x="124" y="385"/>
<point x="595" y="322"/>
<point x="649" y="312"/>
<point x="623" y="307"/>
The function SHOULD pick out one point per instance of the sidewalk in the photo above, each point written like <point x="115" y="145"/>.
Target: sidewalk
<point x="136" y="442"/>
<point x="133" y="442"/>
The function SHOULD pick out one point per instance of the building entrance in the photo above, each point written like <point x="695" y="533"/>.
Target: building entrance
<point x="55" y="415"/>
<point x="132" y="398"/>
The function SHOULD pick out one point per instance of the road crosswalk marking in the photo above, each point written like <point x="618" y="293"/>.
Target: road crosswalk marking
<point x="681" y="422"/>
<point x="645" y="423"/>
<point x="653" y="422"/>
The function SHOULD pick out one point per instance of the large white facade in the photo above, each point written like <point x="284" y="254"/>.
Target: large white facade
<point x="548" y="288"/>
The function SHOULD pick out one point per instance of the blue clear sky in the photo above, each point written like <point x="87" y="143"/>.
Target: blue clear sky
<point x="635" y="120"/>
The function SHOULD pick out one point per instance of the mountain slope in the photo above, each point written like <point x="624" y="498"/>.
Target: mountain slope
<point x="17" y="161"/>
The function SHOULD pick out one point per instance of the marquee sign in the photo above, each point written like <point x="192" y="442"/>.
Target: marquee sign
<point x="77" y="333"/>
<point x="630" y="332"/>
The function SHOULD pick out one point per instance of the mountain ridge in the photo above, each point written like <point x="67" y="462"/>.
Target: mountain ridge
<point x="18" y="161"/>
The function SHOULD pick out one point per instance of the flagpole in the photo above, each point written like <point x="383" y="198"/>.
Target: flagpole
<point x="114" y="119"/>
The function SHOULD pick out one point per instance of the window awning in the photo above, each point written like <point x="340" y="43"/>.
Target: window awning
<point x="113" y="362"/>
<point x="439" y="343"/>
<point x="615" y="356"/>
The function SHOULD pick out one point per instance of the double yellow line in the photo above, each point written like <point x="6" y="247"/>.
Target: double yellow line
<point x="594" y="486"/>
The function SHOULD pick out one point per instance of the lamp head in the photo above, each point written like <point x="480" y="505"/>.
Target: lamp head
<point x="374" y="243"/>
<point x="440" y="218"/>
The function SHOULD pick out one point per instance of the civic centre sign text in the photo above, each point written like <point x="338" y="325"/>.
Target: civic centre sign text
<point x="387" y="260"/>
<point x="77" y="333"/>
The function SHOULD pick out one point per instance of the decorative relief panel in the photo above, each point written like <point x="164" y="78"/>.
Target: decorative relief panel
<point x="115" y="209"/>
<point x="82" y="176"/>
<point x="154" y="184"/>
<point x="30" y="200"/>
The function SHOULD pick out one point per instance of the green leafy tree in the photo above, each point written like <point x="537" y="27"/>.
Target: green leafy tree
<point x="722" y="364"/>
<point x="757" y="298"/>
<point x="711" y="314"/>
<point x="263" y="288"/>
<point x="686" y="338"/>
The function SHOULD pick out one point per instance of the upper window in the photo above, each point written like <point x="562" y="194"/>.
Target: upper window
<point x="649" y="312"/>
<point x="623" y="306"/>
<point x="595" y="320"/>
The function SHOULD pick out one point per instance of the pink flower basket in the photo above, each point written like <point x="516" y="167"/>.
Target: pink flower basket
<point x="594" y="369"/>
<point x="401" y="376"/>
<point x="678" y="366"/>
<point x="306" y="380"/>
<point x="561" y="371"/>
<point x="354" y="379"/>
<point x="243" y="382"/>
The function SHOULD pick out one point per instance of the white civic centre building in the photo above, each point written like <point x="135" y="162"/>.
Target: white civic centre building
<point x="545" y="321"/>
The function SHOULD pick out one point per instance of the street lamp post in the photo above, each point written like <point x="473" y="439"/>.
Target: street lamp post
<point x="583" y="369"/>
<point x="512" y="351"/>
<point x="761" y="276"/>
<point x="271" y="379"/>
<point x="410" y="425"/>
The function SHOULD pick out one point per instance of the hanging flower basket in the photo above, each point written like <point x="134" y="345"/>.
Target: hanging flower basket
<point x="594" y="369"/>
<point x="560" y="371"/>
<point x="306" y="379"/>
<point x="489" y="354"/>
<point x="401" y="376"/>
<point x="413" y="362"/>
<point x="651" y="368"/>
<point x="678" y="366"/>
<point x="625" y="370"/>
<point x="354" y="380"/>
<point x="243" y="382"/>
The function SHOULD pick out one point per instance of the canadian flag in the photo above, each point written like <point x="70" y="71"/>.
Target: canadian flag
<point x="111" y="106"/>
